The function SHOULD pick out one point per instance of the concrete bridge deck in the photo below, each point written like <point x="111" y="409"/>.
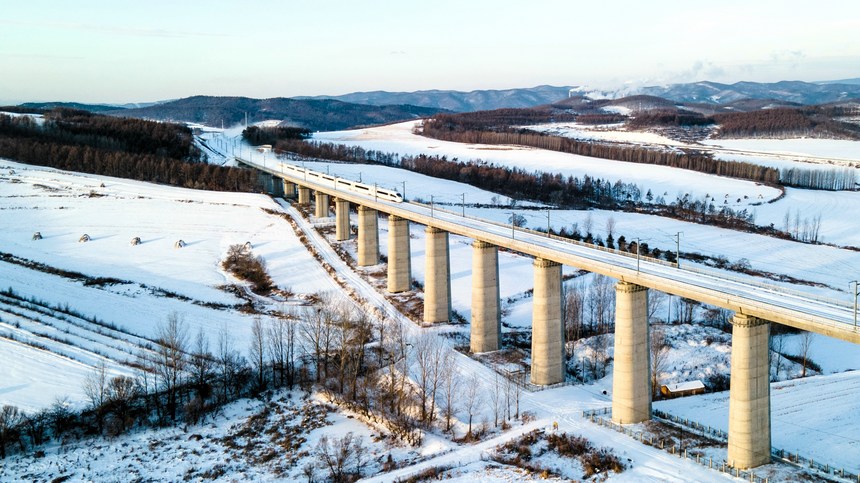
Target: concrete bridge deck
<point x="806" y="312"/>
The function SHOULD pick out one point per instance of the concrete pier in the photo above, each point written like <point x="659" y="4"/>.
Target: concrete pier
<point x="304" y="195"/>
<point x="547" y="328"/>
<point x="631" y="376"/>
<point x="289" y="189"/>
<point x="277" y="187"/>
<point x="399" y="255"/>
<point x="321" y="205"/>
<point x="486" y="323"/>
<point x="749" y="396"/>
<point x="368" y="237"/>
<point x="341" y="219"/>
<point x="437" y="277"/>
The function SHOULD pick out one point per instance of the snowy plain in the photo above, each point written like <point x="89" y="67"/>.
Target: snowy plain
<point x="69" y="204"/>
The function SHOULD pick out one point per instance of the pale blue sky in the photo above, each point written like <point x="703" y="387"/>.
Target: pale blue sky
<point x="146" y="50"/>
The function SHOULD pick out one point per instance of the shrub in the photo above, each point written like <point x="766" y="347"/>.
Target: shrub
<point x="245" y="266"/>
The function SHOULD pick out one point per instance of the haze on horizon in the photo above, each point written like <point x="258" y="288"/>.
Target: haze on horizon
<point x="124" y="51"/>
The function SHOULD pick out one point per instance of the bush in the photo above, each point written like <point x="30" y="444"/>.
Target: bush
<point x="245" y="266"/>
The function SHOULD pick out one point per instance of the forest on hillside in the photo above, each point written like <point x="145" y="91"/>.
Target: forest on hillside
<point x="125" y="148"/>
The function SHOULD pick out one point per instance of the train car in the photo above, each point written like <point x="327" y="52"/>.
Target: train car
<point x="344" y="184"/>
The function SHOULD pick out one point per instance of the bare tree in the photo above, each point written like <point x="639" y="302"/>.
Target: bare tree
<point x="282" y="342"/>
<point x="656" y="299"/>
<point x="587" y="224"/>
<point x="450" y="385"/>
<point x="659" y="357"/>
<point x="200" y="364"/>
<point x="428" y="354"/>
<point x="96" y="390"/>
<point x="805" y="346"/>
<point x="472" y="399"/>
<point x="229" y="363"/>
<point x="610" y="226"/>
<point x="258" y="352"/>
<point x="602" y="303"/>
<point x="496" y="399"/>
<point x="10" y="420"/>
<point x="573" y="312"/>
<point x="121" y="393"/>
<point x="343" y="458"/>
<point x="777" y="347"/>
<point x="318" y="332"/>
<point x="171" y="363"/>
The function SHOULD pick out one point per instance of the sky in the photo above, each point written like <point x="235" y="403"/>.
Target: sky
<point x="118" y="51"/>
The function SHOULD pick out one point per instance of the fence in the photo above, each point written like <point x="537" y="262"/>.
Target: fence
<point x="597" y="416"/>
<point x="795" y="459"/>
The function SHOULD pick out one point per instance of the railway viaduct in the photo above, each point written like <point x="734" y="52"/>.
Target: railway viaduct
<point x="755" y="305"/>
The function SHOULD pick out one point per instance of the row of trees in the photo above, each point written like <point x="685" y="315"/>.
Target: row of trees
<point x="102" y="145"/>
<point x="448" y="127"/>
<point x="570" y="191"/>
<point x="812" y="121"/>
<point x="271" y="135"/>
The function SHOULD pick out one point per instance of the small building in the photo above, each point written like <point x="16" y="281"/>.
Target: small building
<point x="681" y="389"/>
<point x="264" y="148"/>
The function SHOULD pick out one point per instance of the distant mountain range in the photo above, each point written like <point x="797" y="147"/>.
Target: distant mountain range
<point x="459" y="101"/>
<point x="88" y="107"/>
<point x="715" y="93"/>
<point x="380" y="107"/>
<point x="314" y="114"/>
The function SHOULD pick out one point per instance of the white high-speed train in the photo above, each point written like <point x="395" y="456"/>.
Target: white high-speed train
<point x="344" y="184"/>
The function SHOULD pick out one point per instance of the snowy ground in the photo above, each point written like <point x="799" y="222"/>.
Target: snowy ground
<point x="661" y="180"/>
<point x="61" y="206"/>
<point x="804" y="413"/>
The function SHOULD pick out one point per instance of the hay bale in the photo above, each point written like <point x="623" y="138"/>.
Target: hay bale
<point x="135" y="241"/>
<point x="84" y="238"/>
<point x="179" y="244"/>
<point x="37" y="236"/>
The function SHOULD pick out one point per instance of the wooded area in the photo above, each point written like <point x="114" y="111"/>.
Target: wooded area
<point x="124" y="148"/>
<point x="448" y="127"/>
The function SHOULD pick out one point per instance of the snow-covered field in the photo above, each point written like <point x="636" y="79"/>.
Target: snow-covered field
<point x="804" y="414"/>
<point x="603" y="132"/>
<point x="661" y="180"/>
<point x="62" y="206"/>
<point x="837" y="150"/>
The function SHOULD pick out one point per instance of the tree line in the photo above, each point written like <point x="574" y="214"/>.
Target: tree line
<point x="271" y="135"/>
<point x="555" y="189"/>
<point x="814" y="121"/>
<point x="447" y="127"/>
<point x="124" y="148"/>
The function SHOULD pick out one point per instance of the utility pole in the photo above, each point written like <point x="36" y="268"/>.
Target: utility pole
<point x="678" y="249"/>
<point x="463" y="203"/>
<point x="856" y="293"/>
<point x="548" y="229"/>
<point x="513" y="223"/>
<point x="404" y="190"/>
<point x="637" y="254"/>
<point x="431" y="206"/>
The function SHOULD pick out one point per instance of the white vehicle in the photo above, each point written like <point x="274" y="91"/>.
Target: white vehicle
<point x="345" y="184"/>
